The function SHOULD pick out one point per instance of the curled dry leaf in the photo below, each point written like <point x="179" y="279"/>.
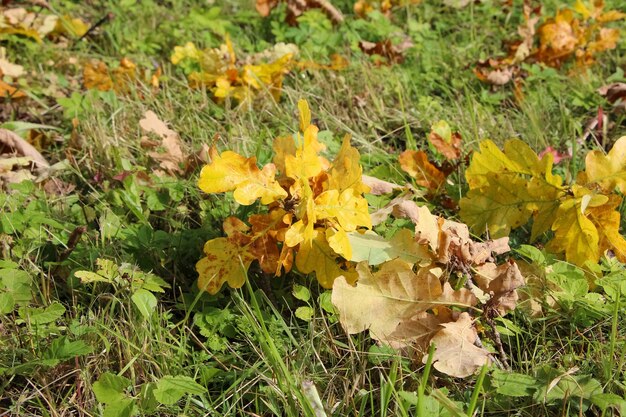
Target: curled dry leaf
<point x="501" y="283"/>
<point x="406" y="302"/>
<point x="172" y="157"/>
<point x="11" y="143"/>
<point x="388" y="52"/>
<point x="19" y="160"/>
<point x="425" y="173"/>
<point x="615" y="94"/>
<point x="379" y="187"/>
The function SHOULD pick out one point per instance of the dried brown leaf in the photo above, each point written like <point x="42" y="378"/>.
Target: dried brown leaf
<point x="172" y="156"/>
<point x="456" y="355"/>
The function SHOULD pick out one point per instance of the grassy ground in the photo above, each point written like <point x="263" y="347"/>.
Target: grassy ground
<point x="67" y="350"/>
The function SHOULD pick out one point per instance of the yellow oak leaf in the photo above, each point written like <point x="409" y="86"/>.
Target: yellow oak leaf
<point x="417" y="165"/>
<point x="231" y="171"/>
<point x="507" y="188"/>
<point x="339" y="242"/>
<point x="306" y="162"/>
<point x="574" y="233"/>
<point x="348" y="208"/>
<point x="606" y="218"/>
<point x="346" y="171"/>
<point x="283" y="146"/>
<point x="317" y="256"/>
<point x="558" y="37"/>
<point x="226" y="261"/>
<point x="609" y="171"/>
<point x="305" y="114"/>
<point x="497" y="208"/>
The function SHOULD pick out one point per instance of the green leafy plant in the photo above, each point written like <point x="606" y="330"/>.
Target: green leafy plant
<point x="125" y="278"/>
<point x="115" y="393"/>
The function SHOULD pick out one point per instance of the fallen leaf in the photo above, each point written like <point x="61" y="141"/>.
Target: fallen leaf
<point x="417" y="165"/>
<point x="172" y="157"/>
<point x="455" y="353"/>
<point x="382" y="300"/>
<point x="609" y="171"/>
<point x="8" y="92"/>
<point x="389" y="52"/>
<point x="10" y="70"/>
<point x="501" y="283"/>
<point x="446" y="142"/>
<point x="12" y="143"/>
<point x="379" y="187"/>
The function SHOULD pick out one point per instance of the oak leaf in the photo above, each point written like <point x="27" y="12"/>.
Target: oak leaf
<point x="317" y="256"/>
<point x="446" y="142"/>
<point x="226" y="261"/>
<point x="609" y="171"/>
<point x="507" y="188"/>
<point x="417" y="165"/>
<point x="574" y="233"/>
<point x="233" y="172"/>
<point x="172" y="158"/>
<point x="382" y="300"/>
<point x="455" y="353"/>
<point x="349" y="209"/>
<point x="345" y="171"/>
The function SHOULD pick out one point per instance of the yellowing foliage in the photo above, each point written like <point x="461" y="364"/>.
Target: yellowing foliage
<point x="311" y="206"/>
<point x="577" y="34"/>
<point x="509" y="188"/>
<point x="220" y="70"/>
<point x="97" y="75"/>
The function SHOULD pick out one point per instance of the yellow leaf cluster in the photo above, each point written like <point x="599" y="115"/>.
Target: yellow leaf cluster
<point x="576" y="33"/>
<point x="97" y="75"/>
<point x="509" y="188"/>
<point x="227" y="76"/>
<point x="312" y="205"/>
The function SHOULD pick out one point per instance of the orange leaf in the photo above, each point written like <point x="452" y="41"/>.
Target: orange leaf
<point x="417" y="165"/>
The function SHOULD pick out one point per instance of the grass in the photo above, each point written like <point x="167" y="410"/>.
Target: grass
<point x="246" y="348"/>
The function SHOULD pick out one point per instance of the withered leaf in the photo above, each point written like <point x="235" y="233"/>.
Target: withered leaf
<point x="455" y="354"/>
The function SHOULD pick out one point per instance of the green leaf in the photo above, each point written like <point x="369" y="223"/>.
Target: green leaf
<point x="153" y="283"/>
<point x="123" y="407"/>
<point x="304" y="313"/>
<point x="147" y="401"/>
<point x="7" y="303"/>
<point x="558" y="386"/>
<point x="88" y="276"/>
<point x="513" y="384"/>
<point x="14" y="289"/>
<point x="375" y="249"/>
<point x="606" y="401"/>
<point x="145" y="301"/>
<point x="110" y="388"/>
<point x="39" y="315"/>
<point x="301" y="292"/>
<point x="170" y="389"/>
<point x="62" y="349"/>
